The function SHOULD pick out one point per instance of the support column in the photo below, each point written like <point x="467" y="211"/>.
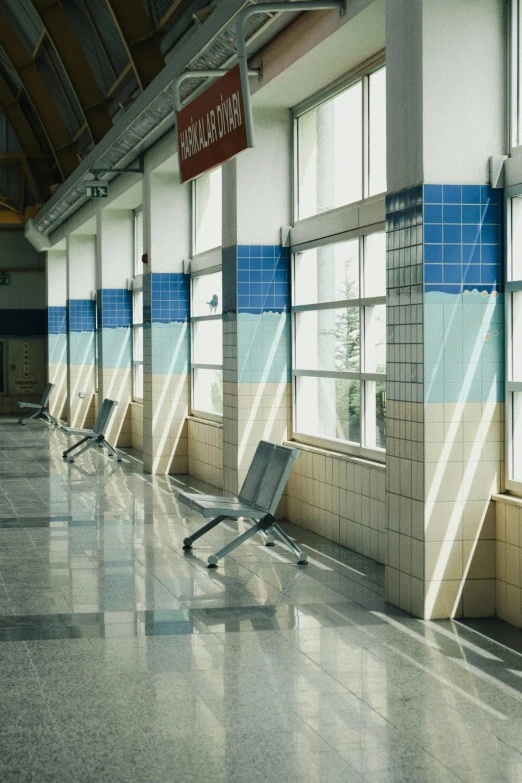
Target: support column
<point x="166" y="343"/>
<point x="114" y="262"/>
<point x="81" y="284"/>
<point x="445" y="308"/>
<point x="256" y="296"/>
<point x="57" y="325"/>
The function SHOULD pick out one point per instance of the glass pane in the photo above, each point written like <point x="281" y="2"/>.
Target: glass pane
<point x="138" y="381"/>
<point x="208" y="342"/>
<point x="206" y="294"/>
<point x="375" y="338"/>
<point x="208" y="210"/>
<point x="377" y="132"/>
<point x="329" y="408"/>
<point x="375" y="265"/>
<point x="208" y="391"/>
<point x="516" y="335"/>
<point x="328" y="340"/>
<point x="330" y="153"/>
<point x="137" y="314"/>
<point x="516" y="239"/>
<point x="327" y="274"/>
<point x="137" y="343"/>
<point x="516" y="437"/>
<point x="138" y="243"/>
<point x="375" y="399"/>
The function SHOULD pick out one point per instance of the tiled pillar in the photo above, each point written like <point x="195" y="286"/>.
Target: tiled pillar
<point x="57" y="326"/>
<point x="256" y="297"/>
<point x="166" y="344"/>
<point x="114" y="263"/>
<point x="81" y="284"/>
<point x="445" y="310"/>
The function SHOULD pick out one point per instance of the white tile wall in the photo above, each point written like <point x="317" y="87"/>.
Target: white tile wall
<point x="205" y="451"/>
<point x="340" y="498"/>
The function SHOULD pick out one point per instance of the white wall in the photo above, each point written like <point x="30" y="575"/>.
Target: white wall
<point x="26" y="290"/>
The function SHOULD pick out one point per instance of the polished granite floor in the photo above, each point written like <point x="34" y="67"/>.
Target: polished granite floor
<point x="125" y="660"/>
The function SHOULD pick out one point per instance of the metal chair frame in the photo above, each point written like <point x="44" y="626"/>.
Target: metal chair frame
<point x="40" y="409"/>
<point x="96" y="436"/>
<point x="257" y="501"/>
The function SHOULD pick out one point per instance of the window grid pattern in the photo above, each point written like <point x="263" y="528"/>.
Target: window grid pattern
<point x="207" y="345"/>
<point x="357" y="395"/>
<point x="137" y="310"/>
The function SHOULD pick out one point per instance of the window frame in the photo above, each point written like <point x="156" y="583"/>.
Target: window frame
<point x="199" y="270"/>
<point x="361" y="73"/>
<point x="362" y="376"/>
<point x="511" y="387"/>
<point x="137" y="287"/>
<point x="350" y="221"/>
<point x="193" y="215"/>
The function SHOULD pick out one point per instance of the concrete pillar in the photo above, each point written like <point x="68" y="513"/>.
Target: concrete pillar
<point x="114" y="269"/>
<point x="57" y="325"/>
<point x="166" y="345"/>
<point x="256" y="296"/>
<point x="445" y="117"/>
<point x="81" y="284"/>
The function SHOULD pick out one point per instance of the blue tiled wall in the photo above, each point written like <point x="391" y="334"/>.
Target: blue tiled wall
<point x="170" y="348"/>
<point x="81" y="348"/>
<point x="263" y="348"/>
<point x="166" y="297"/>
<point x="57" y="320"/>
<point x="462" y="238"/>
<point x="114" y="308"/>
<point x="261" y="274"/>
<point x="82" y="315"/>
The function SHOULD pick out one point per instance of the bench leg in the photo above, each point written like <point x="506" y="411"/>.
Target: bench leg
<point x="68" y="451"/>
<point x="112" y="451"/>
<point x="49" y="417"/>
<point x="187" y="542"/>
<point x="213" y="559"/>
<point x="30" y="416"/>
<point x="302" y="558"/>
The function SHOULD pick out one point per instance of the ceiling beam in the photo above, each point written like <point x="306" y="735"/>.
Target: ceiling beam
<point x="76" y="66"/>
<point x="27" y="139"/>
<point x="40" y="97"/>
<point x="143" y="48"/>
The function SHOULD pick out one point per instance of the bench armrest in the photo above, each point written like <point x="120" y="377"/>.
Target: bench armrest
<point x="74" y="431"/>
<point x="30" y="405"/>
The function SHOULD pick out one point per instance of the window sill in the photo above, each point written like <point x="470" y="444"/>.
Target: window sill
<point x="511" y="500"/>
<point x="335" y="454"/>
<point x="201" y="420"/>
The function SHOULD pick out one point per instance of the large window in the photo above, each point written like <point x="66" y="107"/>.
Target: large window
<point x="340" y="343"/>
<point x="341" y="146"/>
<point x="207" y="199"/>
<point x="339" y="267"/>
<point x="514" y="340"/>
<point x="207" y="345"/>
<point x="137" y="308"/>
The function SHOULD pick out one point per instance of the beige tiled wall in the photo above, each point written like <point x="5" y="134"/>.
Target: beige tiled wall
<point x="136" y="410"/>
<point x="58" y="401"/>
<point x="340" y="498"/>
<point x="205" y="451"/>
<point x="165" y="429"/>
<point x="508" y="513"/>
<point x="10" y="404"/>
<point x="81" y="410"/>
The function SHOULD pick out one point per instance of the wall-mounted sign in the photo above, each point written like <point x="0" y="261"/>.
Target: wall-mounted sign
<point x="26" y="360"/>
<point x="211" y="129"/>
<point x="5" y="278"/>
<point x="96" y="189"/>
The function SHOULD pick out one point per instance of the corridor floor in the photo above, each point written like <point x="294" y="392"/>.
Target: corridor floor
<point x="124" y="659"/>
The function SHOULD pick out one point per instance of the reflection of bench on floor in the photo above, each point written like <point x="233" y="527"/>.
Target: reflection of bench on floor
<point x="96" y="436"/>
<point x="39" y="408"/>
<point x="258" y="500"/>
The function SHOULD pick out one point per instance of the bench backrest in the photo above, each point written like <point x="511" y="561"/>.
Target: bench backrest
<point x="267" y="476"/>
<point x="46" y="394"/>
<point x="104" y="416"/>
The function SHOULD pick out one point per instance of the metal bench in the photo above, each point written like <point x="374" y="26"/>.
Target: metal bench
<point x="39" y="409"/>
<point x="258" y="500"/>
<point x="96" y="436"/>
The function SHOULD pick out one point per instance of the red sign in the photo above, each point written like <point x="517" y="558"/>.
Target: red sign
<point x="212" y="128"/>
